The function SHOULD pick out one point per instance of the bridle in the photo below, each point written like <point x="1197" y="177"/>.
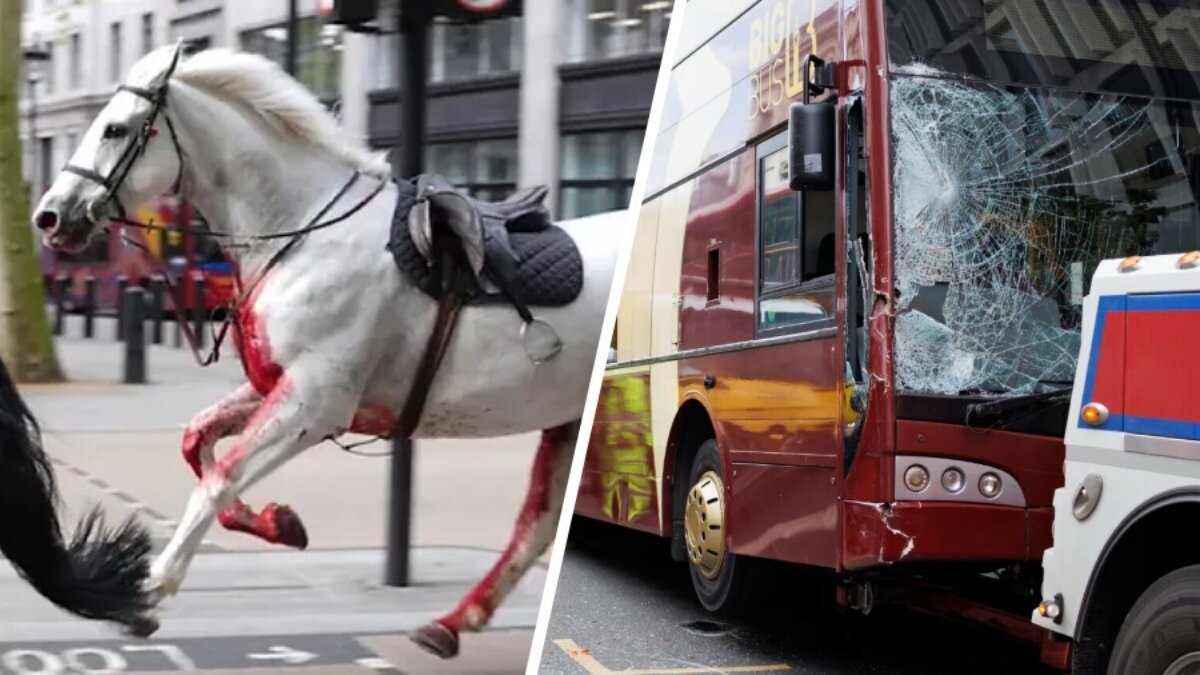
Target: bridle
<point x="136" y="148"/>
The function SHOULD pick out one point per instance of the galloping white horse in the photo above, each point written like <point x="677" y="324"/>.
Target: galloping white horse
<point x="330" y="332"/>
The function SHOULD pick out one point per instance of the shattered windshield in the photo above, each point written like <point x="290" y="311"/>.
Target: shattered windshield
<point x="1007" y="195"/>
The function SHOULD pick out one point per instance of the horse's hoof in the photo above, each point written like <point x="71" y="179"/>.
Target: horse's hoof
<point x="142" y="627"/>
<point x="289" y="530"/>
<point x="435" y="638"/>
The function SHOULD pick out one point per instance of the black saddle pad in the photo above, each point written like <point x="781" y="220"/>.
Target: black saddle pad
<point x="548" y="265"/>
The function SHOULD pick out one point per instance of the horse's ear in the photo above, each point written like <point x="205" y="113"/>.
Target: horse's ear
<point x="176" y="53"/>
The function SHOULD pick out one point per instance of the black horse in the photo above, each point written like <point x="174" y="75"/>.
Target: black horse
<point x="100" y="573"/>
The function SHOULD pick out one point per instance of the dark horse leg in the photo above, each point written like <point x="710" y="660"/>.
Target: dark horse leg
<point x="99" y="573"/>
<point x="534" y="531"/>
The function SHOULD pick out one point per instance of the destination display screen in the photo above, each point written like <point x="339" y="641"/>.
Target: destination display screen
<point x="1142" y="47"/>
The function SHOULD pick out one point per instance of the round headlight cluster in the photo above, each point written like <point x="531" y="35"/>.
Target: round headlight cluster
<point x="990" y="485"/>
<point x="916" y="478"/>
<point x="953" y="480"/>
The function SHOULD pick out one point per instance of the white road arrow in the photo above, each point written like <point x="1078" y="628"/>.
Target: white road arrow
<point x="286" y="654"/>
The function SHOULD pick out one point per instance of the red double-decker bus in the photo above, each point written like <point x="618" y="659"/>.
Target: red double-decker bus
<point x="184" y="252"/>
<point x="849" y="328"/>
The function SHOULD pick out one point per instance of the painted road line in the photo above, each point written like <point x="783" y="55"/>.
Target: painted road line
<point x="182" y="655"/>
<point x="584" y="658"/>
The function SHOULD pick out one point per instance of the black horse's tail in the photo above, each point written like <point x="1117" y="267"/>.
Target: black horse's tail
<point x="100" y="573"/>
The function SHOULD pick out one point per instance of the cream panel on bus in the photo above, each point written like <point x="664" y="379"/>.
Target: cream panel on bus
<point x="664" y="335"/>
<point x="634" y="315"/>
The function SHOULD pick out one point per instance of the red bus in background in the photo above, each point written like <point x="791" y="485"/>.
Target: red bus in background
<point x="182" y="254"/>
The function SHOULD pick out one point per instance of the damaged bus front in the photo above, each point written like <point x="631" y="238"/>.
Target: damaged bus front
<point x="1030" y="140"/>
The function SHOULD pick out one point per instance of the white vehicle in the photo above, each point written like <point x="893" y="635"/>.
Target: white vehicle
<point x="1123" y="578"/>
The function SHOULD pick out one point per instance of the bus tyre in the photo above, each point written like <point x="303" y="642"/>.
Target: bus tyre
<point x="1161" y="634"/>
<point x="718" y="576"/>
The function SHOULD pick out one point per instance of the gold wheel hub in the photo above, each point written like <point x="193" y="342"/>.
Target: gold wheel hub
<point x="704" y="524"/>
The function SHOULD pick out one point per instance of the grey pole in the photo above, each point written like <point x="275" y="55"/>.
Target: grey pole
<point x="122" y="284"/>
<point x="62" y="287"/>
<point x="134" y="309"/>
<point x="293" y="34"/>
<point x="157" y="285"/>
<point x="89" y="306"/>
<point x="415" y="18"/>
<point x="199" y="310"/>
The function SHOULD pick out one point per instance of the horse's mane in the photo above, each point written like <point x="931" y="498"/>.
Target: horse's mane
<point x="279" y="100"/>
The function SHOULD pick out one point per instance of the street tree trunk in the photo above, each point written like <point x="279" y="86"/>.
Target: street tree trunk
<point x="26" y="344"/>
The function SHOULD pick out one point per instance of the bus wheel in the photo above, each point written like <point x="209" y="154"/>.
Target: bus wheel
<point x="1161" y="634"/>
<point x="716" y="572"/>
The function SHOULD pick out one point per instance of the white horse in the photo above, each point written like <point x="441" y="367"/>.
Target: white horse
<point x="330" y="333"/>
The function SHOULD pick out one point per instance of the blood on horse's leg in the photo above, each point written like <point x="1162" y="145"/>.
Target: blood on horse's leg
<point x="275" y="524"/>
<point x="224" y="418"/>
<point x="286" y="422"/>
<point x="535" y="528"/>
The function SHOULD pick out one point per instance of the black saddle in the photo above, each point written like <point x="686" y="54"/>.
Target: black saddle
<point x="444" y="241"/>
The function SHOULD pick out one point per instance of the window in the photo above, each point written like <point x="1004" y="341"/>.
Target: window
<point x="466" y="50"/>
<point x="600" y="29"/>
<point x="147" y="32"/>
<point x="597" y="171"/>
<point x="75" y="65"/>
<point x="796" y="246"/>
<point x="486" y="169"/>
<point x="318" y="54"/>
<point x="114" y="52"/>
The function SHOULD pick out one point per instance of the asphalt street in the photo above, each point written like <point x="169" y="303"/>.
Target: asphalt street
<point x="246" y="606"/>
<point x="623" y="605"/>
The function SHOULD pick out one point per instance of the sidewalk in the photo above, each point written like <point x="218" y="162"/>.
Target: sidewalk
<point x="119" y="445"/>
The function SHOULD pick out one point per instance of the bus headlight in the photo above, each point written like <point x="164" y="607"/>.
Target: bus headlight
<point x="916" y="478"/>
<point x="990" y="485"/>
<point x="953" y="480"/>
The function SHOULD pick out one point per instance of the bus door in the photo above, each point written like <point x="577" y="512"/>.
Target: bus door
<point x="782" y="409"/>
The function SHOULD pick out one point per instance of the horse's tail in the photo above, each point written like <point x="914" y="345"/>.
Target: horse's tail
<point x="100" y="573"/>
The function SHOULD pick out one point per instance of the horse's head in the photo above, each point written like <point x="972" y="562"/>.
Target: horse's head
<point x="127" y="156"/>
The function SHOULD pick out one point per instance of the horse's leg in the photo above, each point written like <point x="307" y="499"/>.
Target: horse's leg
<point x="224" y="418"/>
<point x="277" y="524"/>
<point x="297" y="413"/>
<point x="535" y="528"/>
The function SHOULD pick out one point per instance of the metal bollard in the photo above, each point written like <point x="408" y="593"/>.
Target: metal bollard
<point x="133" y="307"/>
<point x="122" y="284"/>
<point x="62" y="288"/>
<point x="199" y="310"/>
<point x="89" y="306"/>
<point x="399" y="527"/>
<point x="157" y="289"/>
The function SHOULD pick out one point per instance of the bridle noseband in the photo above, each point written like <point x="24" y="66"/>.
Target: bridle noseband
<point x="136" y="148"/>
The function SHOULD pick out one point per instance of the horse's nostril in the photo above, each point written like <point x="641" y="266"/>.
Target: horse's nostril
<point x="47" y="220"/>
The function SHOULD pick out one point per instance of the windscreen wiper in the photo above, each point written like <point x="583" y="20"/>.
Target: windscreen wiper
<point x="1001" y="412"/>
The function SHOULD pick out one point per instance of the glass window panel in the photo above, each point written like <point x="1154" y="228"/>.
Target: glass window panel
<point x="584" y="201"/>
<point x="452" y="160"/>
<point x="496" y="161"/>
<point x="632" y="152"/>
<point x="589" y="156"/>
<point x="780" y="223"/>
<point x="804" y="305"/>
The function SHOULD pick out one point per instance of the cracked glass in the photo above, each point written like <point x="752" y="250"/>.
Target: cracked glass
<point x="1007" y="195"/>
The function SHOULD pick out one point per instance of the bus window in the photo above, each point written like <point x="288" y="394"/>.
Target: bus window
<point x="797" y="254"/>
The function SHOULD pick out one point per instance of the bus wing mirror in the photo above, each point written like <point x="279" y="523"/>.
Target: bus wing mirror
<point x="812" y="145"/>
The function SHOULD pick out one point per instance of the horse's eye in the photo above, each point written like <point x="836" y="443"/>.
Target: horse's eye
<point x="115" y="131"/>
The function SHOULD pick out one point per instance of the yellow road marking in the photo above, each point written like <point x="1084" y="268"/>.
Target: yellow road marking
<point x="582" y="656"/>
<point x="589" y="663"/>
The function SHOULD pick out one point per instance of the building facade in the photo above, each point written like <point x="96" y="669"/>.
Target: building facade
<point x="557" y="97"/>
